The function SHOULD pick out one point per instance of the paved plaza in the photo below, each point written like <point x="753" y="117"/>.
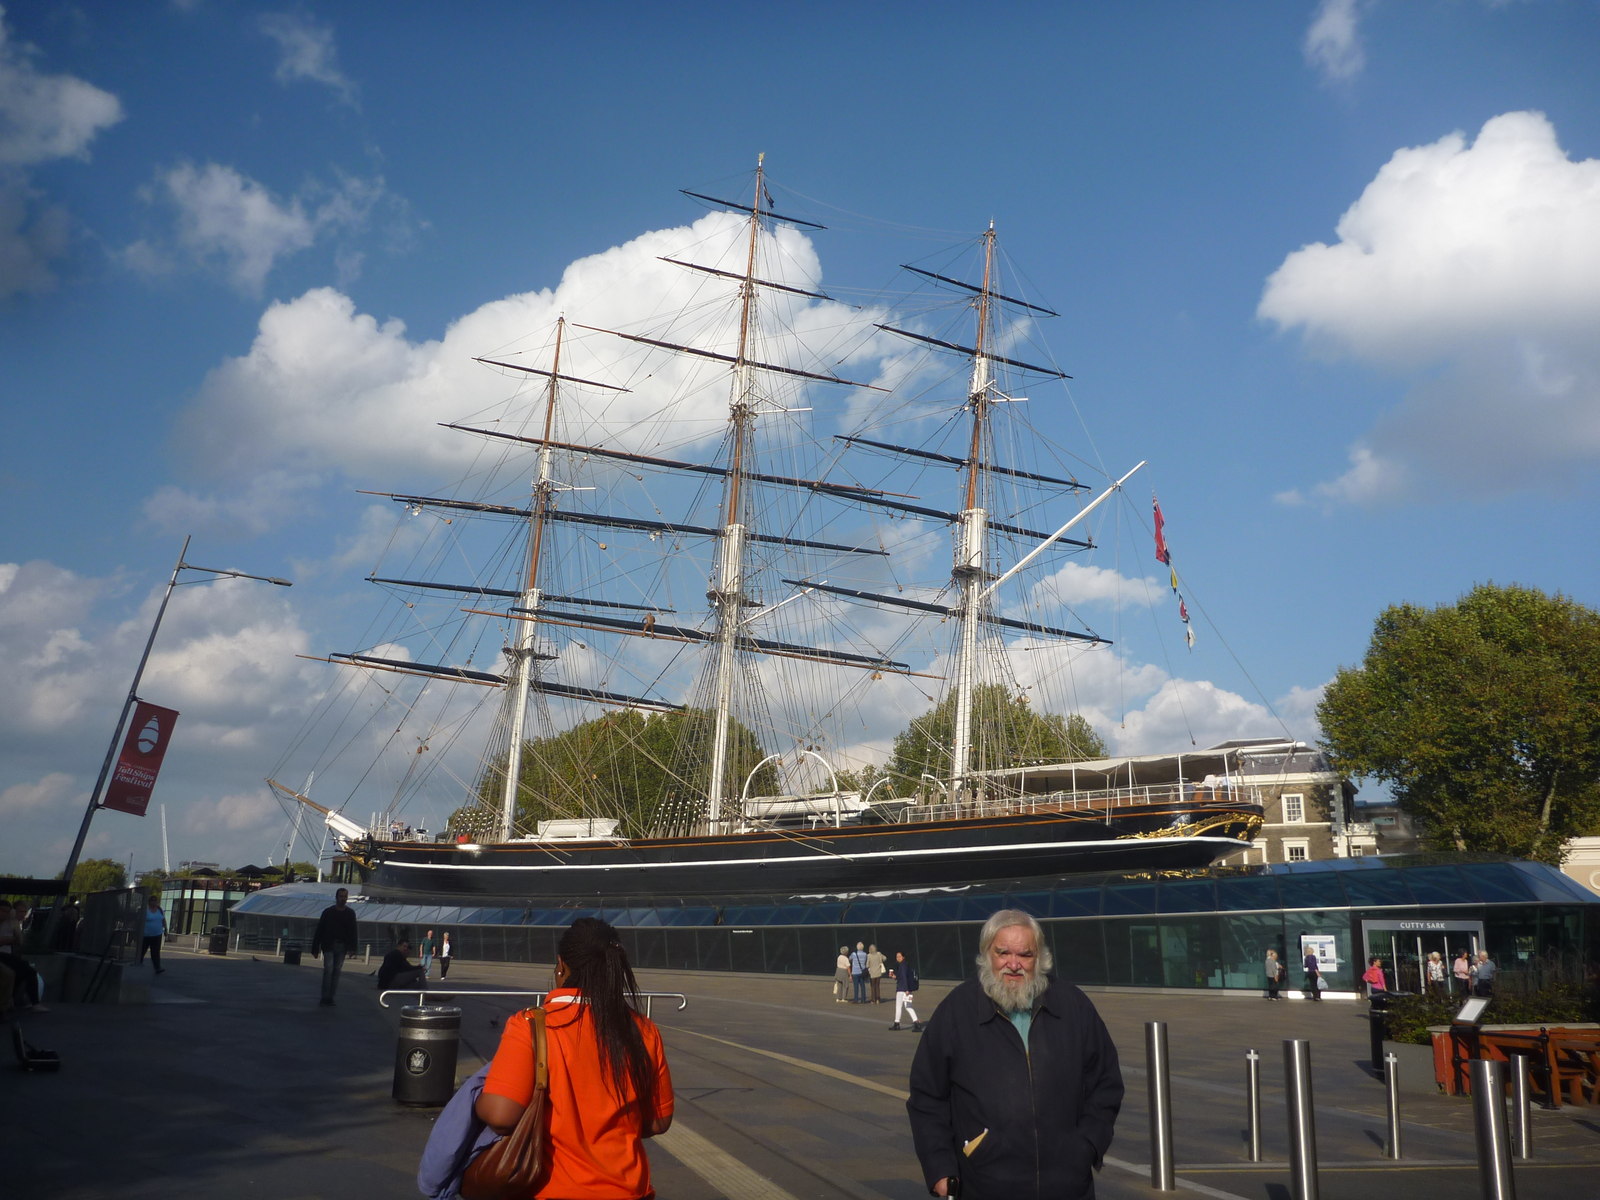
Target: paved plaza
<point x="232" y="1080"/>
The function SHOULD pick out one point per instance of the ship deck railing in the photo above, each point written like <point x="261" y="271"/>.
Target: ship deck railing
<point x="1105" y="800"/>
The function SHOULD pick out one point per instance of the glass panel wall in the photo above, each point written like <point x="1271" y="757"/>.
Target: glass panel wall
<point x="1207" y="931"/>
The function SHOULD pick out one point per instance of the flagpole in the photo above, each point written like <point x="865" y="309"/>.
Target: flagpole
<point x="127" y="706"/>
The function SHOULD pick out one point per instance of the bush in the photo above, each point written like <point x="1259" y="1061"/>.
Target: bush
<point x="1542" y="993"/>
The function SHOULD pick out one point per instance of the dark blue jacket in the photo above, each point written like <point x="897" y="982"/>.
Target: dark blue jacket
<point x="904" y="977"/>
<point x="1049" y="1109"/>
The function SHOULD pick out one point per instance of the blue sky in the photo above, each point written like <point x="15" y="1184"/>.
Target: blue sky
<point x="1332" y="268"/>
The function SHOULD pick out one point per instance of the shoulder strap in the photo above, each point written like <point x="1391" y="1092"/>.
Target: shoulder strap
<point x="541" y="1057"/>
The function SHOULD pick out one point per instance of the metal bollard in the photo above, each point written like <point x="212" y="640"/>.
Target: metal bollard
<point x="1521" y="1114"/>
<point x="1252" y="1101"/>
<point x="1302" y="1120"/>
<point x="1489" y="1125"/>
<point x="425" y="1055"/>
<point x="1391" y="1076"/>
<point x="1155" y="1049"/>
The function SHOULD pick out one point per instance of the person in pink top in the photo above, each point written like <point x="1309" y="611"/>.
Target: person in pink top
<point x="1462" y="970"/>
<point x="1373" y="977"/>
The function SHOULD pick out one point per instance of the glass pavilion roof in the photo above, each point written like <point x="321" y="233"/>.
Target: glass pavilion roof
<point x="1395" y="881"/>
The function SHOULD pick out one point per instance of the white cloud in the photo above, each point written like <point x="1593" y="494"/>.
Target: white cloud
<point x="307" y="53"/>
<point x="225" y="658"/>
<point x="333" y="389"/>
<point x="52" y="791"/>
<point x="263" y="502"/>
<point x="1472" y="269"/>
<point x="1333" y="43"/>
<point x="226" y="219"/>
<point x="235" y="813"/>
<point x="33" y="233"/>
<point x="44" y="118"/>
<point x="1369" y="480"/>
<point x="1190" y="712"/>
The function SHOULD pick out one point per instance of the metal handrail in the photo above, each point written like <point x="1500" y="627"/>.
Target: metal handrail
<point x="422" y="993"/>
<point x="1036" y="803"/>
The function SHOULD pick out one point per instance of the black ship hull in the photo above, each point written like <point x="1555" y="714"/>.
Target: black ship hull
<point x="850" y="858"/>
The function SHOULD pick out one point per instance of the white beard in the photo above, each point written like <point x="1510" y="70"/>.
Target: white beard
<point x="1012" y="999"/>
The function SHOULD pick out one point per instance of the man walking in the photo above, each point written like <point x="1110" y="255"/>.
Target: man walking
<point x="1313" y="971"/>
<point x="1015" y="1086"/>
<point x="336" y="934"/>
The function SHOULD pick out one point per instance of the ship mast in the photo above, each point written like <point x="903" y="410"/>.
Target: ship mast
<point x="727" y="586"/>
<point x="524" y="653"/>
<point x="971" y="537"/>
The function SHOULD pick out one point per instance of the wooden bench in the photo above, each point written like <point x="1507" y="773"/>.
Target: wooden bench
<point x="1563" y="1064"/>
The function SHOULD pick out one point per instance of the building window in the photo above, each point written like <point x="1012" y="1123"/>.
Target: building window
<point x="1294" y="808"/>
<point x="1357" y="851"/>
<point x="1296" y="851"/>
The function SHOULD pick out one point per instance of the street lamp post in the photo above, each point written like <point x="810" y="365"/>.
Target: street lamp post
<point x="131" y="700"/>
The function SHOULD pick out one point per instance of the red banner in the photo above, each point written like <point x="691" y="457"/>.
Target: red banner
<point x="140" y="761"/>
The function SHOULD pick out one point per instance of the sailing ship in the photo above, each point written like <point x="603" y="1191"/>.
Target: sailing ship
<point x="733" y="764"/>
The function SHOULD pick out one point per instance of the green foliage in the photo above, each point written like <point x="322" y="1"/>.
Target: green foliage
<point x="151" y="883"/>
<point x="98" y="875"/>
<point x="1005" y="733"/>
<point x="861" y="779"/>
<point x="1482" y="716"/>
<point x="1544" y="996"/>
<point x="651" y="771"/>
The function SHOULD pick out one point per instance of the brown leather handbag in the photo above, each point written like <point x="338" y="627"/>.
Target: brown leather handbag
<point x="511" y="1168"/>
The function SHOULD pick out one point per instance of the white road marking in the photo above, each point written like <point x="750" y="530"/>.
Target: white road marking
<point x="717" y="1167"/>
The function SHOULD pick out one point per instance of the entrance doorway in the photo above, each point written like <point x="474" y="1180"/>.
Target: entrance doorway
<point x="1406" y="946"/>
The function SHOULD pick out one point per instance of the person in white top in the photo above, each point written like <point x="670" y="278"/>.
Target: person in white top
<point x="1435" y="974"/>
<point x="444" y="957"/>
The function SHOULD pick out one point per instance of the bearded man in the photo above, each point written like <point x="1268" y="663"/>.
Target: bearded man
<point x="1015" y="1087"/>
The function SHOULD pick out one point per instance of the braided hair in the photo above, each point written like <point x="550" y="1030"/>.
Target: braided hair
<point x="598" y="967"/>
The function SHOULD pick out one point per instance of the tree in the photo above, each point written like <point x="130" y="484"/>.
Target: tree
<point x="98" y="875"/>
<point x="1482" y="716"/>
<point x="648" y="770"/>
<point x="860" y="779"/>
<point x="1005" y="733"/>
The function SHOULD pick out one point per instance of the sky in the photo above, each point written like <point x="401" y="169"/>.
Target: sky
<point x="1332" y="268"/>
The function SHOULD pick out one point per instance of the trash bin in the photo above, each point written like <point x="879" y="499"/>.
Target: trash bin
<point x="291" y="954"/>
<point x="1377" y="1028"/>
<point x="425" y="1055"/>
<point x="219" y="939"/>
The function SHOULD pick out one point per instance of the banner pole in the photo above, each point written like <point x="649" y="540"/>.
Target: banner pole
<point x="116" y="734"/>
<point x="127" y="706"/>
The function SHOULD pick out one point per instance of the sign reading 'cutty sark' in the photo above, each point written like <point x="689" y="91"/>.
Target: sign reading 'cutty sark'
<point x="140" y="760"/>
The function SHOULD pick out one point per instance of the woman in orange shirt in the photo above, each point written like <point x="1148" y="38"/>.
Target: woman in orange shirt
<point x="609" y="1083"/>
